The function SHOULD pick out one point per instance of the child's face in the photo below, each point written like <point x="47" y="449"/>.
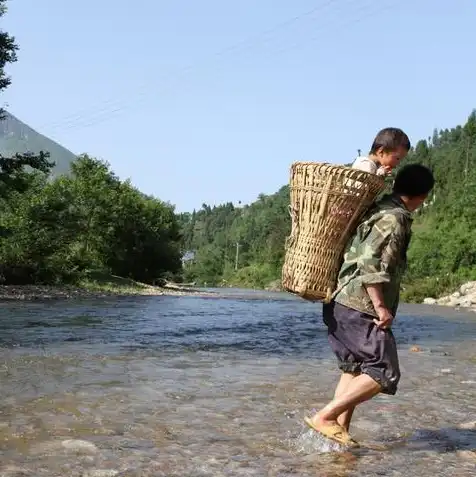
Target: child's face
<point x="390" y="159"/>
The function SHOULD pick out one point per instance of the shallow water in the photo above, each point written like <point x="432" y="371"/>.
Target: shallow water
<point x="188" y="386"/>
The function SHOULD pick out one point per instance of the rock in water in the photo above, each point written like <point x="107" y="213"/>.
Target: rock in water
<point x="453" y="303"/>
<point x="467" y="287"/>
<point x="101" y="473"/>
<point x="468" y="425"/>
<point x="78" y="445"/>
<point x="14" y="471"/>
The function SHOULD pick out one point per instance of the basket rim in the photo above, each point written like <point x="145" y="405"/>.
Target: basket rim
<point x="340" y="169"/>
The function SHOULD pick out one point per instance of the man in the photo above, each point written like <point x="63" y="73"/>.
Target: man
<point x="360" y="316"/>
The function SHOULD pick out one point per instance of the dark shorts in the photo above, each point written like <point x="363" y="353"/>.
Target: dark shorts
<point x="361" y="347"/>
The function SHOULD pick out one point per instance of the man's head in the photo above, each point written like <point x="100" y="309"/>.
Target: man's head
<point x="390" y="146"/>
<point x="413" y="184"/>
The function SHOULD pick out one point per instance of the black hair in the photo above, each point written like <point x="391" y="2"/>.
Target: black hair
<point x="390" y="139"/>
<point x="413" y="180"/>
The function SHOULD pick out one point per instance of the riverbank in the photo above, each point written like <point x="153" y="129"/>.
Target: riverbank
<point x="464" y="297"/>
<point x="110" y="285"/>
<point x="106" y="286"/>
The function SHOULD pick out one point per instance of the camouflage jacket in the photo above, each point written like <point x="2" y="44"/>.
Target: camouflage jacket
<point x="377" y="253"/>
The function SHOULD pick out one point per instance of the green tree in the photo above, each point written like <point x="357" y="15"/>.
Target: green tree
<point x="63" y="229"/>
<point x="8" y="53"/>
<point x="144" y="241"/>
<point x="14" y="177"/>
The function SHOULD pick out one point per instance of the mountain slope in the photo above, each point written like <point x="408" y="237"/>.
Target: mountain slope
<point x="16" y="136"/>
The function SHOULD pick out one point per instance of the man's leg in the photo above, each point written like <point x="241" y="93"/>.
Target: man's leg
<point x="359" y="389"/>
<point x="348" y="364"/>
<point x="345" y="418"/>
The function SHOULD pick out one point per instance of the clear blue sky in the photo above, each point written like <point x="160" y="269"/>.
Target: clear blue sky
<point x="154" y="88"/>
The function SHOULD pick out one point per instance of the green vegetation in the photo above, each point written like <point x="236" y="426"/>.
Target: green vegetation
<point x="443" y="250"/>
<point x="60" y="230"/>
<point x="257" y="232"/>
<point x="106" y="283"/>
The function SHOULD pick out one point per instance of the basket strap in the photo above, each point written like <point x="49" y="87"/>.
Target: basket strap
<point x="294" y="214"/>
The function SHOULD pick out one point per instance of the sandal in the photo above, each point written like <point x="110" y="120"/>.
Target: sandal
<point x="335" y="432"/>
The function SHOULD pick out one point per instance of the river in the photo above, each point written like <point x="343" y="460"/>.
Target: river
<point x="218" y="386"/>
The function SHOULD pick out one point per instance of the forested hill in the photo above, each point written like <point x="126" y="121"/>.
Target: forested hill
<point x="442" y="253"/>
<point x="248" y="238"/>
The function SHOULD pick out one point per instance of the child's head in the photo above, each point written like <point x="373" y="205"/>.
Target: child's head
<point x="413" y="184"/>
<point x="390" y="146"/>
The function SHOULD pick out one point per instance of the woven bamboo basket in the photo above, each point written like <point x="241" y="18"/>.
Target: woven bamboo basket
<point x="326" y="203"/>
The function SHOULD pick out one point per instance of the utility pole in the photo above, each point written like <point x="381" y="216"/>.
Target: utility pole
<point x="237" y="253"/>
<point x="467" y="161"/>
<point x="225" y="258"/>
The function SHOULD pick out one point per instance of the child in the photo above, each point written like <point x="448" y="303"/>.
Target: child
<point x="390" y="146"/>
<point x="364" y="305"/>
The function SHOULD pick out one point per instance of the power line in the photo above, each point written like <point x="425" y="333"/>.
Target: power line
<point x="250" y="41"/>
<point x="105" y="114"/>
<point x="371" y="12"/>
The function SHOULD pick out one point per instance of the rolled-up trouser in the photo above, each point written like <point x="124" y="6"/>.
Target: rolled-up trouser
<point x="362" y="347"/>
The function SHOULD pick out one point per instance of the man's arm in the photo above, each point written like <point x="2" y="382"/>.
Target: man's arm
<point x="385" y="317"/>
<point x="376" y="295"/>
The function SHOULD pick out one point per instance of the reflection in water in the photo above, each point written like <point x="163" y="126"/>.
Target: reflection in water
<point x="182" y="386"/>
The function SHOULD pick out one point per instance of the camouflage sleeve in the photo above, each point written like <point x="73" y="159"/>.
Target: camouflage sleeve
<point x="380" y="250"/>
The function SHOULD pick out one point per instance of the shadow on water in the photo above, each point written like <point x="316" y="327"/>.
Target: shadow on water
<point x="442" y="440"/>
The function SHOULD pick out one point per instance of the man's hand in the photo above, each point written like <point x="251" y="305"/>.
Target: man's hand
<point x="385" y="318"/>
